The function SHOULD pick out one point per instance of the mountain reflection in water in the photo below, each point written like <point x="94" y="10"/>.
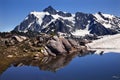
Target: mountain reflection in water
<point x="46" y="63"/>
<point x="75" y="66"/>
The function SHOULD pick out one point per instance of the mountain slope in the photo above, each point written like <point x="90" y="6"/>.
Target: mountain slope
<point x="78" y="24"/>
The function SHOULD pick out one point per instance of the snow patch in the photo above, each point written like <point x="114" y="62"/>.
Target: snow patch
<point x="26" y="18"/>
<point x="65" y="18"/>
<point x="107" y="43"/>
<point x="45" y="26"/>
<point x="108" y="16"/>
<point x="80" y="33"/>
<point x="30" y="24"/>
<point x="104" y="22"/>
<point x="98" y="17"/>
<point x="107" y="25"/>
<point x="40" y="16"/>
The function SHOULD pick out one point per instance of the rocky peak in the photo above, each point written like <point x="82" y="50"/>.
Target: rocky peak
<point x="64" y="14"/>
<point x="100" y="13"/>
<point x="50" y="10"/>
<point x="82" y="18"/>
<point x="46" y="19"/>
<point x="52" y="21"/>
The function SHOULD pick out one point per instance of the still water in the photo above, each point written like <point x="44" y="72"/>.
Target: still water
<point x="76" y="67"/>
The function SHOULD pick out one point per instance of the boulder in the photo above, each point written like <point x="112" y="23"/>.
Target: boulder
<point x="23" y="37"/>
<point x="44" y="52"/>
<point x="41" y="39"/>
<point x="19" y="38"/>
<point x="56" y="47"/>
<point x="50" y="52"/>
<point x="73" y="43"/>
<point x="7" y="42"/>
<point x="39" y="44"/>
<point x="56" y="38"/>
<point x="66" y="44"/>
<point x="10" y="56"/>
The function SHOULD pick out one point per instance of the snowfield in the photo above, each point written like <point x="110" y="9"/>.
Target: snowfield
<point x="109" y="43"/>
<point x="79" y="33"/>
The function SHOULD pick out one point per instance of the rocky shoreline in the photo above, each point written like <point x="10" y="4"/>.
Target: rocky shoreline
<point x="48" y="52"/>
<point x="41" y="45"/>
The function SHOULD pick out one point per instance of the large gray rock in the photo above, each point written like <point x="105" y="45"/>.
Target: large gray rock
<point x="73" y="43"/>
<point x="56" y="38"/>
<point x="56" y="47"/>
<point x="66" y="44"/>
<point x="41" y="39"/>
<point x="49" y="51"/>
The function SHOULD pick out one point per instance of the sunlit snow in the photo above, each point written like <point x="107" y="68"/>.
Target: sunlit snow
<point x="65" y="18"/>
<point x="104" y="22"/>
<point x="107" y="44"/>
<point x="40" y="16"/>
<point x="80" y="33"/>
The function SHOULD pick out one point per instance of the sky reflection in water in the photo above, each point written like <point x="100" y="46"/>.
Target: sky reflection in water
<point x="89" y="67"/>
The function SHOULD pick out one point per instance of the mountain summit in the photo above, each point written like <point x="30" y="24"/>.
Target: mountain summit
<point x="78" y="24"/>
<point x="50" y="10"/>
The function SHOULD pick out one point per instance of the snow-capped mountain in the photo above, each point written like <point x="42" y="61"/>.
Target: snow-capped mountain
<point x="78" y="24"/>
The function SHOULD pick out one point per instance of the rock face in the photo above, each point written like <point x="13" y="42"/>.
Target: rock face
<point x="50" y="10"/>
<point x="54" y="21"/>
<point x="66" y="44"/>
<point x="46" y="19"/>
<point x="56" y="47"/>
<point x="50" y="52"/>
<point x="57" y="26"/>
<point x="64" y="14"/>
<point x="60" y="45"/>
<point x="82" y="18"/>
<point x="73" y="43"/>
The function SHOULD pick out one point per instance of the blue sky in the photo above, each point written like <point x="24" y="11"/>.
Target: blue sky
<point x="12" y="12"/>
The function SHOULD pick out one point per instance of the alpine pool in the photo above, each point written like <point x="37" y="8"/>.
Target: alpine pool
<point x="75" y="67"/>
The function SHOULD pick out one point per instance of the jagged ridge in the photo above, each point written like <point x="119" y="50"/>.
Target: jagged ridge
<point x="78" y="24"/>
